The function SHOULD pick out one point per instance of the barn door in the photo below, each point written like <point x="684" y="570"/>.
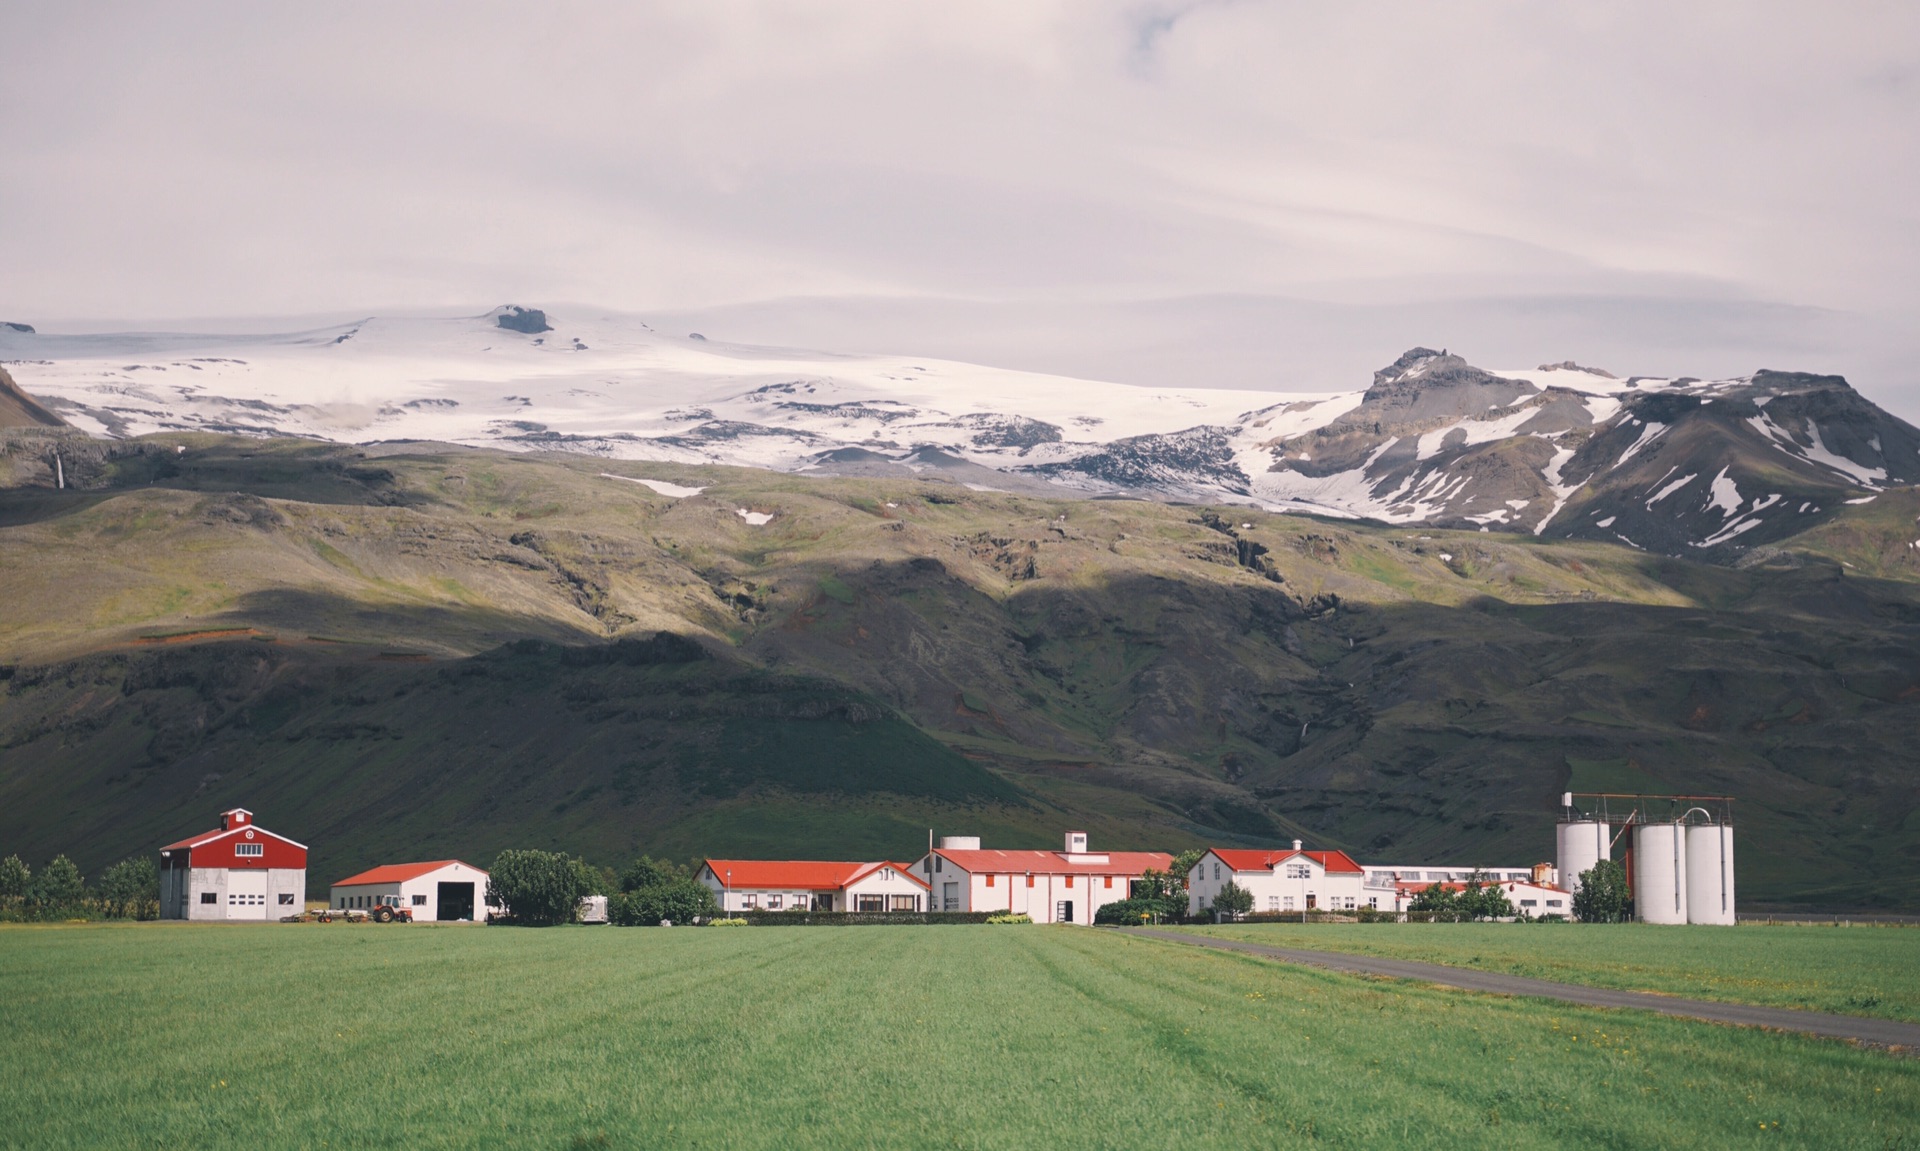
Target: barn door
<point x="455" y="901"/>
<point x="247" y="894"/>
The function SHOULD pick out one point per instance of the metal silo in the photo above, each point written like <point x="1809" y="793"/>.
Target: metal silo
<point x="1710" y="873"/>
<point x="1660" y="872"/>
<point x="1579" y="843"/>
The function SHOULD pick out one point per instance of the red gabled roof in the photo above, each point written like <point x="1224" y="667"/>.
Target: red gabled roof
<point x="1055" y="862"/>
<point x="798" y="874"/>
<point x="399" y="872"/>
<point x="1334" y="862"/>
<point x="209" y="836"/>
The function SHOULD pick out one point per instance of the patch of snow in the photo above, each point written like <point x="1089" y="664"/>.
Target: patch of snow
<point x="1673" y="487"/>
<point x="1723" y="495"/>
<point x="1653" y="431"/>
<point x="754" y="518"/>
<point x="1818" y="453"/>
<point x="1729" y="532"/>
<point x="1606" y="523"/>
<point x="1865" y="499"/>
<point x="663" y="487"/>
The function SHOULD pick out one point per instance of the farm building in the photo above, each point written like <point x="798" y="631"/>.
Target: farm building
<point x="444" y="889"/>
<point x="238" y="871"/>
<point x="1283" y="881"/>
<point x="812" y="885"/>
<point x="1049" y="886"/>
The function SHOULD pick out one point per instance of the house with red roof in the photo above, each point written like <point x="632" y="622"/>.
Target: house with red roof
<point x="813" y="885"/>
<point x="1049" y="886"/>
<point x="1284" y="880"/>
<point x="237" y="871"/>
<point x="441" y="889"/>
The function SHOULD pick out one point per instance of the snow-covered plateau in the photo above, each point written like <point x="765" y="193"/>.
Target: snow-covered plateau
<point x="1557" y="449"/>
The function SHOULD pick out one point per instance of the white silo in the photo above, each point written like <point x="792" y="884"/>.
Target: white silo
<point x="1660" y="873"/>
<point x="1710" y="874"/>
<point x="1580" y="844"/>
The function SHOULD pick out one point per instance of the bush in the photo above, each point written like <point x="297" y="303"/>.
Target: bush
<point x="1134" y="912"/>
<point x="15" y="877"/>
<point x="57" y="891"/>
<point x="537" y="888"/>
<point x="1017" y="917"/>
<point x="678" y="900"/>
<point x="130" y="889"/>
<point x="726" y="923"/>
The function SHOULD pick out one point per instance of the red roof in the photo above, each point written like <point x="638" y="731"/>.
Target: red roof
<point x="1334" y="862"/>
<point x="798" y="874"/>
<point x="209" y="836"/>
<point x="1056" y="862"/>
<point x="399" y="872"/>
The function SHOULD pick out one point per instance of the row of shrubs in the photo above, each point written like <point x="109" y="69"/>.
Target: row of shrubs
<point x="129" y="889"/>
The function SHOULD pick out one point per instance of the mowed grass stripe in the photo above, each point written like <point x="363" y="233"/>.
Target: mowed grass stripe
<point x="1872" y="971"/>
<point x="973" y="1037"/>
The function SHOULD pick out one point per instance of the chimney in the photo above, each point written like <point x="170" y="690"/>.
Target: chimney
<point x="1296" y="845"/>
<point x="1076" y="843"/>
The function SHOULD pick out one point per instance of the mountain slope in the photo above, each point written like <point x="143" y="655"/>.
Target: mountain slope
<point x="1704" y="468"/>
<point x="378" y="648"/>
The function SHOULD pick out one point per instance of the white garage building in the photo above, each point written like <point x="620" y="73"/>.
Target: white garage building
<point x="443" y="889"/>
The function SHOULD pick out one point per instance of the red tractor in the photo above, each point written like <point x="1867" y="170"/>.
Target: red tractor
<point x="389" y="909"/>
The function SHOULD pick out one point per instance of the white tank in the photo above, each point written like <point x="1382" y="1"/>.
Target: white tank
<point x="960" y="842"/>
<point x="1660" y="873"/>
<point x="1581" y="844"/>
<point x="1710" y="874"/>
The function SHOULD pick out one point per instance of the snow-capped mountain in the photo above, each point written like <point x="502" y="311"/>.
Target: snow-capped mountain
<point x="1675" y="465"/>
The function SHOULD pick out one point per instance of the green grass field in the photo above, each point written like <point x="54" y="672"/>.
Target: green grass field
<point x="1846" y="970"/>
<point x="972" y="1037"/>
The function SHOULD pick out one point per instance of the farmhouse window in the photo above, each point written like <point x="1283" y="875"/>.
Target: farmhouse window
<point x="1374" y="902"/>
<point x="1553" y="903"/>
<point x="286" y="899"/>
<point x="989" y="881"/>
<point x="1216" y="873"/>
<point x="209" y="897"/>
<point x="1299" y="871"/>
<point x="749" y="901"/>
<point x="419" y="901"/>
<point x="1529" y="903"/>
<point x="249" y="848"/>
<point x="1273" y="903"/>
<point x="936" y="863"/>
<point x="903" y="902"/>
<point x="774" y="902"/>
<point x="1286" y="904"/>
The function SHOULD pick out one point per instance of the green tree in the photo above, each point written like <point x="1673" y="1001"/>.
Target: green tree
<point x="59" y="887"/>
<point x="537" y="888"/>
<point x="130" y="889"/>
<point x="1438" y="899"/>
<point x="1233" y="901"/>
<point x="677" y="901"/>
<point x="16" y="879"/>
<point x="1482" y="900"/>
<point x="1182" y="865"/>
<point x="1603" y="896"/>
<point x="647" y="871"/>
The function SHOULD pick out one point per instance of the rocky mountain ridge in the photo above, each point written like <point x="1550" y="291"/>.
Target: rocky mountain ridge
<point x="1708" y="468"/>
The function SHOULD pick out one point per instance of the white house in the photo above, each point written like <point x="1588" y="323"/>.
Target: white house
<point x="237" y="871"/>
<point x="1283" y="881"/>
<point x="812" y="885"/>
<point x="444" y="889"/>
<point x="1049" y="886"/>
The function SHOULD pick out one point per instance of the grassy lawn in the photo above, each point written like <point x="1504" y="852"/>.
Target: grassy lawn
<point x="1846" y="970"/>
<point x="271" y="1036"/>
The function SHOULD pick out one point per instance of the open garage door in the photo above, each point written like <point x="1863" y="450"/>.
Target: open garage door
<point x="455" y="902"/>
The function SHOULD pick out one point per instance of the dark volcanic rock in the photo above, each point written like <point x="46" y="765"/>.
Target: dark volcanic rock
<point x="515" y="318"/>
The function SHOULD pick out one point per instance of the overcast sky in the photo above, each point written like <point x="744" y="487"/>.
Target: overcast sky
<point x="1251" y="193"/>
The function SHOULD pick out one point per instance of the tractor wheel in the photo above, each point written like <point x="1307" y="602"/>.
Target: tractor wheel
<point x="326" y="919"/>
<point x="384" y="915"/>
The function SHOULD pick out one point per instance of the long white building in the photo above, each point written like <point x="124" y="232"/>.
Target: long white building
<point x="1048" y="886"/>
<point x="1284" y="880"/>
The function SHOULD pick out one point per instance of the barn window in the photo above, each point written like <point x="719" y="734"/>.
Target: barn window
<point x="989" y="881"/>
<point x="1069" y="881"/>
<point x="209" y="897"/>
<point x="1109" y="881"/>
<point x="286" y="899"/>
<point x="419" y="901"/>
<point x="1029" y="881"/>
<point x="249" y="848"/>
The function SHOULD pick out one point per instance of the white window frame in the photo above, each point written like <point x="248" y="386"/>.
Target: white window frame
<point x="250" y="850"/>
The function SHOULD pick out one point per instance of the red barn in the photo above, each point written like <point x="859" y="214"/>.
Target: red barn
<point x="239" y="871"/>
